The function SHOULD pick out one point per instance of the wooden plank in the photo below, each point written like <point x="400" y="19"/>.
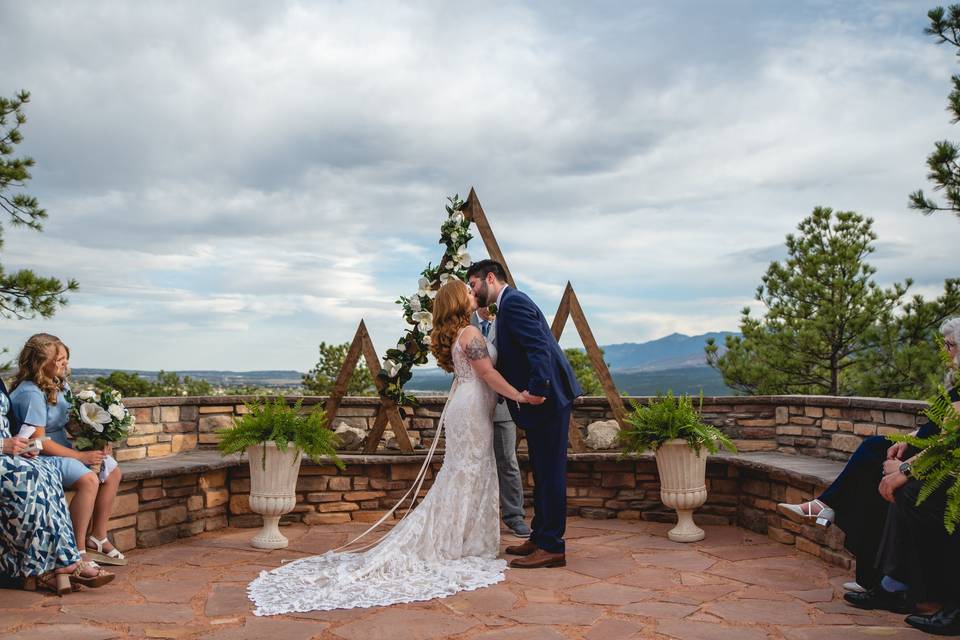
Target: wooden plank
<point x="343" y="378"/>
<point x="596" y="359"/>
<point x="388" y="407"/>
<point x="563" y="312"/>
<point x="474" y="211"/>
<point x="576" y="440"/>
<point x="376" y="432"/>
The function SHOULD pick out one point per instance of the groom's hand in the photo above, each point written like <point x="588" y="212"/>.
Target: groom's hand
<point x="532" y="399"/>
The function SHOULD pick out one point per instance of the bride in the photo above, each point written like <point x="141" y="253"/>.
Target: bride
<point x="449" y="543"/>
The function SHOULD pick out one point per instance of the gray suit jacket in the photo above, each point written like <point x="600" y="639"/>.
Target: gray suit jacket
<point x="501" y="413"/>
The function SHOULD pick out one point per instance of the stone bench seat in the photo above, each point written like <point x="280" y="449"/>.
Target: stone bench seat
<point x="782" y="465"/>
<point x="162" y="499"/>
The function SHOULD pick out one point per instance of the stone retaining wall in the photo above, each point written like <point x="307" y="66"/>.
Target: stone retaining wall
<point x="163" y="500"/>
<point x="821" y="426"/>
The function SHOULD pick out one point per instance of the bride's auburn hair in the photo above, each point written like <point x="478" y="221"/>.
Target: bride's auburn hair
<point x="451" y="313"/>
<point x="40" y="349"/>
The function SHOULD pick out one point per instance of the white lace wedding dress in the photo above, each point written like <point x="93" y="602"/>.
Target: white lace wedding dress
<point x="449" y="543"/>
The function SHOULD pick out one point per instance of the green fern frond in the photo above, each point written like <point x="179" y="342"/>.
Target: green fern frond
<point x="667" y="418"/>
<point x="284" y="425"/>
<point x="939" y="460"/>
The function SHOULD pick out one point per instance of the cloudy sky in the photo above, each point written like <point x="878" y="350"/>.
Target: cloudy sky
<point x="234" y="182"/>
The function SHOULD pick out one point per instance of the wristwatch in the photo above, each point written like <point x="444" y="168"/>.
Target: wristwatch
<point x="906" y="469"/>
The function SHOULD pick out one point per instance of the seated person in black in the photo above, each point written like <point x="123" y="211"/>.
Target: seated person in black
<point x="854" y="503"/>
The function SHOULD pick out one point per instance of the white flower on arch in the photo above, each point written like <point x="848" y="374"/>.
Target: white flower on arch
<point x="392" y="368"/>
<point x="426" y="289"/>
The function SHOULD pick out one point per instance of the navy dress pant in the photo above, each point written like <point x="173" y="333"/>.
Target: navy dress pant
<point x="547" y="446"/>
<point x="860" y="509"/>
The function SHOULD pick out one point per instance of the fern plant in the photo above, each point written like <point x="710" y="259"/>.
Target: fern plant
<point x="667" y="418"/>
<point x="284" y="425"/>
<point x="939" y="458"/>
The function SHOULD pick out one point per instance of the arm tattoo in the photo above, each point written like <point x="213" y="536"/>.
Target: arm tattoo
<point x="477" y="349"/>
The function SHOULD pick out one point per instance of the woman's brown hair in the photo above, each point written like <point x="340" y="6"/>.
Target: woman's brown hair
<point x="40" y="349"/>
<point x="451" y="313"/>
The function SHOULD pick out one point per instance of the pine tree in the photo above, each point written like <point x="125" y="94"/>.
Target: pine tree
<point x="820" y="303"/>
<point x="829" y="329"/>
<point x="320" y="380"/>
<point x="943" y="165"/>
<point x="23" y="293"/>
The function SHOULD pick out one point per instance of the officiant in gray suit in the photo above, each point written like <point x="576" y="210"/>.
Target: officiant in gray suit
<point x="505" y="446"/>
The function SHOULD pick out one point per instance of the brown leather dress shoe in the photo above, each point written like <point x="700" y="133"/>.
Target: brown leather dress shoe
<point x="524" y="549"/>
<point x="538" y="559"/>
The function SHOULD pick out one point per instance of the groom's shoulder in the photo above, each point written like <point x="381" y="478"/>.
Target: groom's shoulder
<point x="515" y="295"/>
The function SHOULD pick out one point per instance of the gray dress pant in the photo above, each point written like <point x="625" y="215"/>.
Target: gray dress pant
<point x="508" y="471"/>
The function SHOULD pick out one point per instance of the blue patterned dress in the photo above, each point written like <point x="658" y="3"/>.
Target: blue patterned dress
<point x="36" y="535"/>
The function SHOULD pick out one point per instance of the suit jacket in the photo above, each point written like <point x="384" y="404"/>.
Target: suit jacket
<point x="529" y="357"/>
<point x="501" y="413"/>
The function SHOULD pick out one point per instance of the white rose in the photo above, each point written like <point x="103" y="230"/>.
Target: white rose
<point x="86" y="394"/>
<point x="117" y="411"/>
<point x="424" y="320"/>
<point x="447" y="277"/>
<point x="415" y="303"/>
<point x="426" y="289"/>
<point x="392" y="368"/>
<point x="457" y="217"/>
<point x="427" y="340"/>
<point x="94" y="415"/>
<point x="462" y="258"/>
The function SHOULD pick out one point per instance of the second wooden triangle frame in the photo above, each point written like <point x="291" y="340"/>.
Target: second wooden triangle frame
<point x="388" y="413"/>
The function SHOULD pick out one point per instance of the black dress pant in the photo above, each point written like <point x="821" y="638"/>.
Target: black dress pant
<point x="916" y="548"/>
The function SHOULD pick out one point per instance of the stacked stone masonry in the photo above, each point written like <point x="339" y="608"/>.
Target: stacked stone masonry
<point x="176" y="485"/>
<point x="821" y="426"/>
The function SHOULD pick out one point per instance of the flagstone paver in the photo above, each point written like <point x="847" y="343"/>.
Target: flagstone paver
<point x="397" y="624"/>
<point x="623" y="580"/>
<point x="614" y="629"/>
<point x="658" y="609"/>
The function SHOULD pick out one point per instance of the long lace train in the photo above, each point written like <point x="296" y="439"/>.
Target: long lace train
<point x="449" y="543"/>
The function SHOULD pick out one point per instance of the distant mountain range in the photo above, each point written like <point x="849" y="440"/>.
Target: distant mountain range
<point x="675" y="362"/>
<point x="675" y="351"/>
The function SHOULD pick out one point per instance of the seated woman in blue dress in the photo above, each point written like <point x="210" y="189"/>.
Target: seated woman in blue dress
<point x="36" y="536"/>
<point x="38" y="401"/>
<point x="854" y="502"/>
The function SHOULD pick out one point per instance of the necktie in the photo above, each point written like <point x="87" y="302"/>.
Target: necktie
<point x="485" y="327"/>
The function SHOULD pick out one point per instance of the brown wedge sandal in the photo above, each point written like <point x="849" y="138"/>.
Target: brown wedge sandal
<point x="59" y="583"/>
<point x="101" y="578"/>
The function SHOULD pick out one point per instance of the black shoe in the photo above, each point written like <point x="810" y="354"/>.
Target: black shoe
<point x="879" y="598"/>
<point x="945" y="622"/>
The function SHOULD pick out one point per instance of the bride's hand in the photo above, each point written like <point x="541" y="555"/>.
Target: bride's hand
<point x="521" y="398"/>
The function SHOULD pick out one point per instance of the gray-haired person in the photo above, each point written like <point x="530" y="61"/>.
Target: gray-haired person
<point x="505" y="446"/>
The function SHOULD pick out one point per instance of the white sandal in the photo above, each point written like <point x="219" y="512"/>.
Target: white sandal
<point x="803" y="512"/>
<point x="113" y="556"/>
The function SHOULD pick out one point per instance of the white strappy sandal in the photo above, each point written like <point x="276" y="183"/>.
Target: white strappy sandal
<point x="113" y="557"/>
<point x="804" y="512"/>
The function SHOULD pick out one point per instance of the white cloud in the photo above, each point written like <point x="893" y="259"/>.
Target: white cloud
<point x="234" y="182"/>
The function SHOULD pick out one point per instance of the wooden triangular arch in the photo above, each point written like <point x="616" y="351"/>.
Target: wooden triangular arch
<point x="570" y="308"/>
<point x="388" y="413"/>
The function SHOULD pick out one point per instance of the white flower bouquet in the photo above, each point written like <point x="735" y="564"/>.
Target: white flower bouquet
<point x="100" y="418"/>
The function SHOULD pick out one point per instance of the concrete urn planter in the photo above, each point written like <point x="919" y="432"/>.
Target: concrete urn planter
<point x="272" y="490"/>
<point x="683" y="486"/>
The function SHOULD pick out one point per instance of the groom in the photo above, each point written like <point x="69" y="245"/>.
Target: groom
<point x="529" y="358"/>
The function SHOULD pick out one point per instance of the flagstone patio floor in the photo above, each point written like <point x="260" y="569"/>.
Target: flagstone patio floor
<point x="622" y="580"/>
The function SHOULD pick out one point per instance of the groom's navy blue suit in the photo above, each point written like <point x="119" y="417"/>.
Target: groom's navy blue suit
<point x="529" y="358"/>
